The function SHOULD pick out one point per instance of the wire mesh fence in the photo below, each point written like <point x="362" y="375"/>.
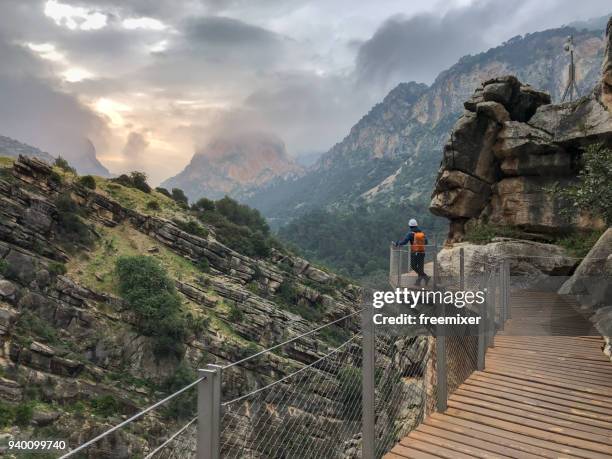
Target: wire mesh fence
<point x="314" y="412"/>
<point x="318" y="408"/>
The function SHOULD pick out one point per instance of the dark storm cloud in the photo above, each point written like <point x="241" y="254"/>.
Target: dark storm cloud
<point x="226" y="31"/>
<point x="35" y="112"/>
<point x="417" y="48"/>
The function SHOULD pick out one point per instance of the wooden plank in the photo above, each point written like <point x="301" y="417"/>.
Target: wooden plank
<point x="543" y="434"/>
<point x="530" y="420"/>
<point x="542" y="402"/>
<point x="433" y="448"/>
<point x="401" y="451"/>
<point x="498" y="438"/>
<point x="531" y="412"/>
<point x="456" y="447"/>
<point x="545" y="380"/>
<point x="539" y="388"/>
<point x="520" y="438"/>
<point x="483" y="442"/>
<point x="591" y="365"/>
<point x="575" y="376"/>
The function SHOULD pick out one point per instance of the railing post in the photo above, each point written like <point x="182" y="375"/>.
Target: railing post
<point x="461" y="269"/>
<point x="399" y="267"/>
<point x="441" y="370"/>
<point x="482" y="335"/>
<point x="435" y="266"/>
<point x="209" y="413"/>
<point x="368" y="419"/>
<point x="501" y="296"/>
<point x="507" y="288"/>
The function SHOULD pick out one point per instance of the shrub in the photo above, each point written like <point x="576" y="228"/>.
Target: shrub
<point x="163" y="191"/>
<point x="242" y="215"/>
<point x="135" y="179"/>
<point x="105" y="405"/>
<point x="153" y="205"/>
<point x="482" y="233"/>
<point x="4" y="268"/>
<point x="287" y="292"/>
<point x="88" y="182"/>
<point x="56" y="268"/>
<point x="578" y="244"/>
<point x="203" y="205"/>
<point x="23" y="414"/>
<point x="191" y="227"/>
<point x="64" y="165"/>
<point x="203" y="265"/>
<point x="179" y="196"/>
<point x="182" y="406"/>
<point x="594" y="189"/>
<point x="152" y="296"/>
<point x="235" y="313"/>
<point x="7" y="414"/>
<point x="70" y="227"/>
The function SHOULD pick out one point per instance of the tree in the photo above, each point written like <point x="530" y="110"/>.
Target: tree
<point x="593" y="192"/>
<point x="152" y="297"/>
<point x="64" y="165"/>
<point x="179" y="196"/>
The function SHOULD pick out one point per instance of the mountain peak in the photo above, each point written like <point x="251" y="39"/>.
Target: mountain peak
<point x="230" y="164"/>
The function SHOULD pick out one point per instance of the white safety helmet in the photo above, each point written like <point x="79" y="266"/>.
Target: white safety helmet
<point x="412" y="222"/>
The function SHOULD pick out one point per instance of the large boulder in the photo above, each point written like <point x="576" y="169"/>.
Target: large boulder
<point x="459" y="195"/>
<point x="522" y="202"/>
<point x="582" y="122"/>
<point x="591" y="284"/>
<point x="548" y="259"/>
<point x="591" y="281"/>
<point x="509" y="146"/>
<point x="469" y="148"/>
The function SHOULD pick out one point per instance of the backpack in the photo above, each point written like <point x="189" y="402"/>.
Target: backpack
<point x="418" y="242"/>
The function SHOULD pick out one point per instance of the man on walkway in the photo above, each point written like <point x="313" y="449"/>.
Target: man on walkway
<point x="418" y="241"/>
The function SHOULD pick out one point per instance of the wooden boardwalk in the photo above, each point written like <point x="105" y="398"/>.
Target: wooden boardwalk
<point x="546" y="391"/>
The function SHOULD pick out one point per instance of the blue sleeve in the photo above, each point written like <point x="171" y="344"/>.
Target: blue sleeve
<point x="408" y="238"/>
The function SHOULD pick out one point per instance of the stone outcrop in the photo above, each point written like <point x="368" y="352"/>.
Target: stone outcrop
<point x="591" y="284"/>
<point x="530" y="262"/>
<point x="72" y="339"/>
<point x="510" y="146"/>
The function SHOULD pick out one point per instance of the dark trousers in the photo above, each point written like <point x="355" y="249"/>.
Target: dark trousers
<point x="417" y="263"/>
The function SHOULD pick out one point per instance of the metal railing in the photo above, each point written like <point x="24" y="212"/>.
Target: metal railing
<point x="402" y="265"/>
<point x="355" y="396"/>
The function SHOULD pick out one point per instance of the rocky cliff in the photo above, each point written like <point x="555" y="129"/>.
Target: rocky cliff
<point x="71" y="356"/>
<point x="231" y="165"/>
<point x="391" y="154"/>
<point x="510" y="146"/>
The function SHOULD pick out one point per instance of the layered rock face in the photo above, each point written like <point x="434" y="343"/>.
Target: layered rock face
<point x="508" y="147"/>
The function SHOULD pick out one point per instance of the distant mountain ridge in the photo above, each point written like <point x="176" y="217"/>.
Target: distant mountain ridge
<point x="392" y="154"/>
<point x="86" y="163"/>
<point x="13" y="148"/>
<point x="233" y="165"/>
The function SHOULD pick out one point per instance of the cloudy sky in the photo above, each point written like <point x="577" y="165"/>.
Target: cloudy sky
<point x="148" y="81"/>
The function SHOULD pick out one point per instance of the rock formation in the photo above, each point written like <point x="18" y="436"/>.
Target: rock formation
<point x="232" y="164"/>
<point x="67" y="337"/>
<point x="508" y="147"/>
<point x="591" y="284"/>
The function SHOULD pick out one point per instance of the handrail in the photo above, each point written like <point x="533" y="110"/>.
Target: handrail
<point x="314" y="330"/>
<point x="189" y="386"/>
<point x="133" y="418"/>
